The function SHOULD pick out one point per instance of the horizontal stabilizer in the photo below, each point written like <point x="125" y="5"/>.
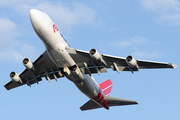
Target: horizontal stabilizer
<point x="90" y="105"/>
<point x="112" y="101"/>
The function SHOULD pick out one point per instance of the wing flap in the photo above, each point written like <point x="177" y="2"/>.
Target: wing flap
<point x="93" y="70"/>
<point x="123" y="69"/>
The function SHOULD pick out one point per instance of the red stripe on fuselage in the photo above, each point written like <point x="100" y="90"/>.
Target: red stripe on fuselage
<point x="100" y="100"/>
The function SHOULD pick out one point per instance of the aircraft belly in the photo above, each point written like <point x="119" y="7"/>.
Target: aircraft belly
<point x="92" y="90"/>
<point x="61" y="58"/>
<point x="88" y="86"/>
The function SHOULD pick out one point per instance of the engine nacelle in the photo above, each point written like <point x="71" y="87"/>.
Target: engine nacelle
<point x="15" y="77"/>
<point x="131" y="62"/>
<point x="96" y="56"/>
<point x="28" y="64"/>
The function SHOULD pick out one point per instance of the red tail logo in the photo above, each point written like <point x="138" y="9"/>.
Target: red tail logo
<point x="55" y="28"/>
<point x="106" y="87"/>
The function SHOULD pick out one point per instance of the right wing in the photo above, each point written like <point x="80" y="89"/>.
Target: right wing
<point x="89" y="65"/>
<point x="44" y="67"/>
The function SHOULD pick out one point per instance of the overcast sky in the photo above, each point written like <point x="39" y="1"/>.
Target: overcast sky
<point x="145" y="29"/>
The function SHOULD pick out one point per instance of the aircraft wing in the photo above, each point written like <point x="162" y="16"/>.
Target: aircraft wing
<point x="44" y="67"/>
<point x="84" y="61"/>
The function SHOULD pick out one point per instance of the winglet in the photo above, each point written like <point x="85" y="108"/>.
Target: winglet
<point x="174" y="65"/>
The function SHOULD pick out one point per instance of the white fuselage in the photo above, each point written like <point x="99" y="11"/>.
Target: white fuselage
<point x="56" y="49"/>
<point x="51" y="37"/>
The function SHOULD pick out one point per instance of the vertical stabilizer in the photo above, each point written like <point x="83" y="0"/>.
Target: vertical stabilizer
<point x="106" y="87"/>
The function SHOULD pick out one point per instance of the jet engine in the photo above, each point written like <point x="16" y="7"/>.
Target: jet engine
<point x="96" y="56"/>
<point x="131" y="62"/>
<point x="28" y="64"/>
<point x="15" y="77"/>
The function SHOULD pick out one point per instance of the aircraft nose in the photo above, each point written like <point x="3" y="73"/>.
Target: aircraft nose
<point x="33" y="13"/>
<point x="32" y="10"/>
<point x="36" y="17"/>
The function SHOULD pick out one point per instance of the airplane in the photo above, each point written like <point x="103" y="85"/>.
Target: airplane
<point x="60" y="60"/>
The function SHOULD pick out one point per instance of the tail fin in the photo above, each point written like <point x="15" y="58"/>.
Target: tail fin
<point x="106" y="87"/>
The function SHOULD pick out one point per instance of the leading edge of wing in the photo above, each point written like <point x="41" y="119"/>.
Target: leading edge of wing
<point x="102" y="54"/>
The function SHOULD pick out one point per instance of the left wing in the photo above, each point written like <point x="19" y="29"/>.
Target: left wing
<point x="93" y="62"/>
<point x="42" y="67"/>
